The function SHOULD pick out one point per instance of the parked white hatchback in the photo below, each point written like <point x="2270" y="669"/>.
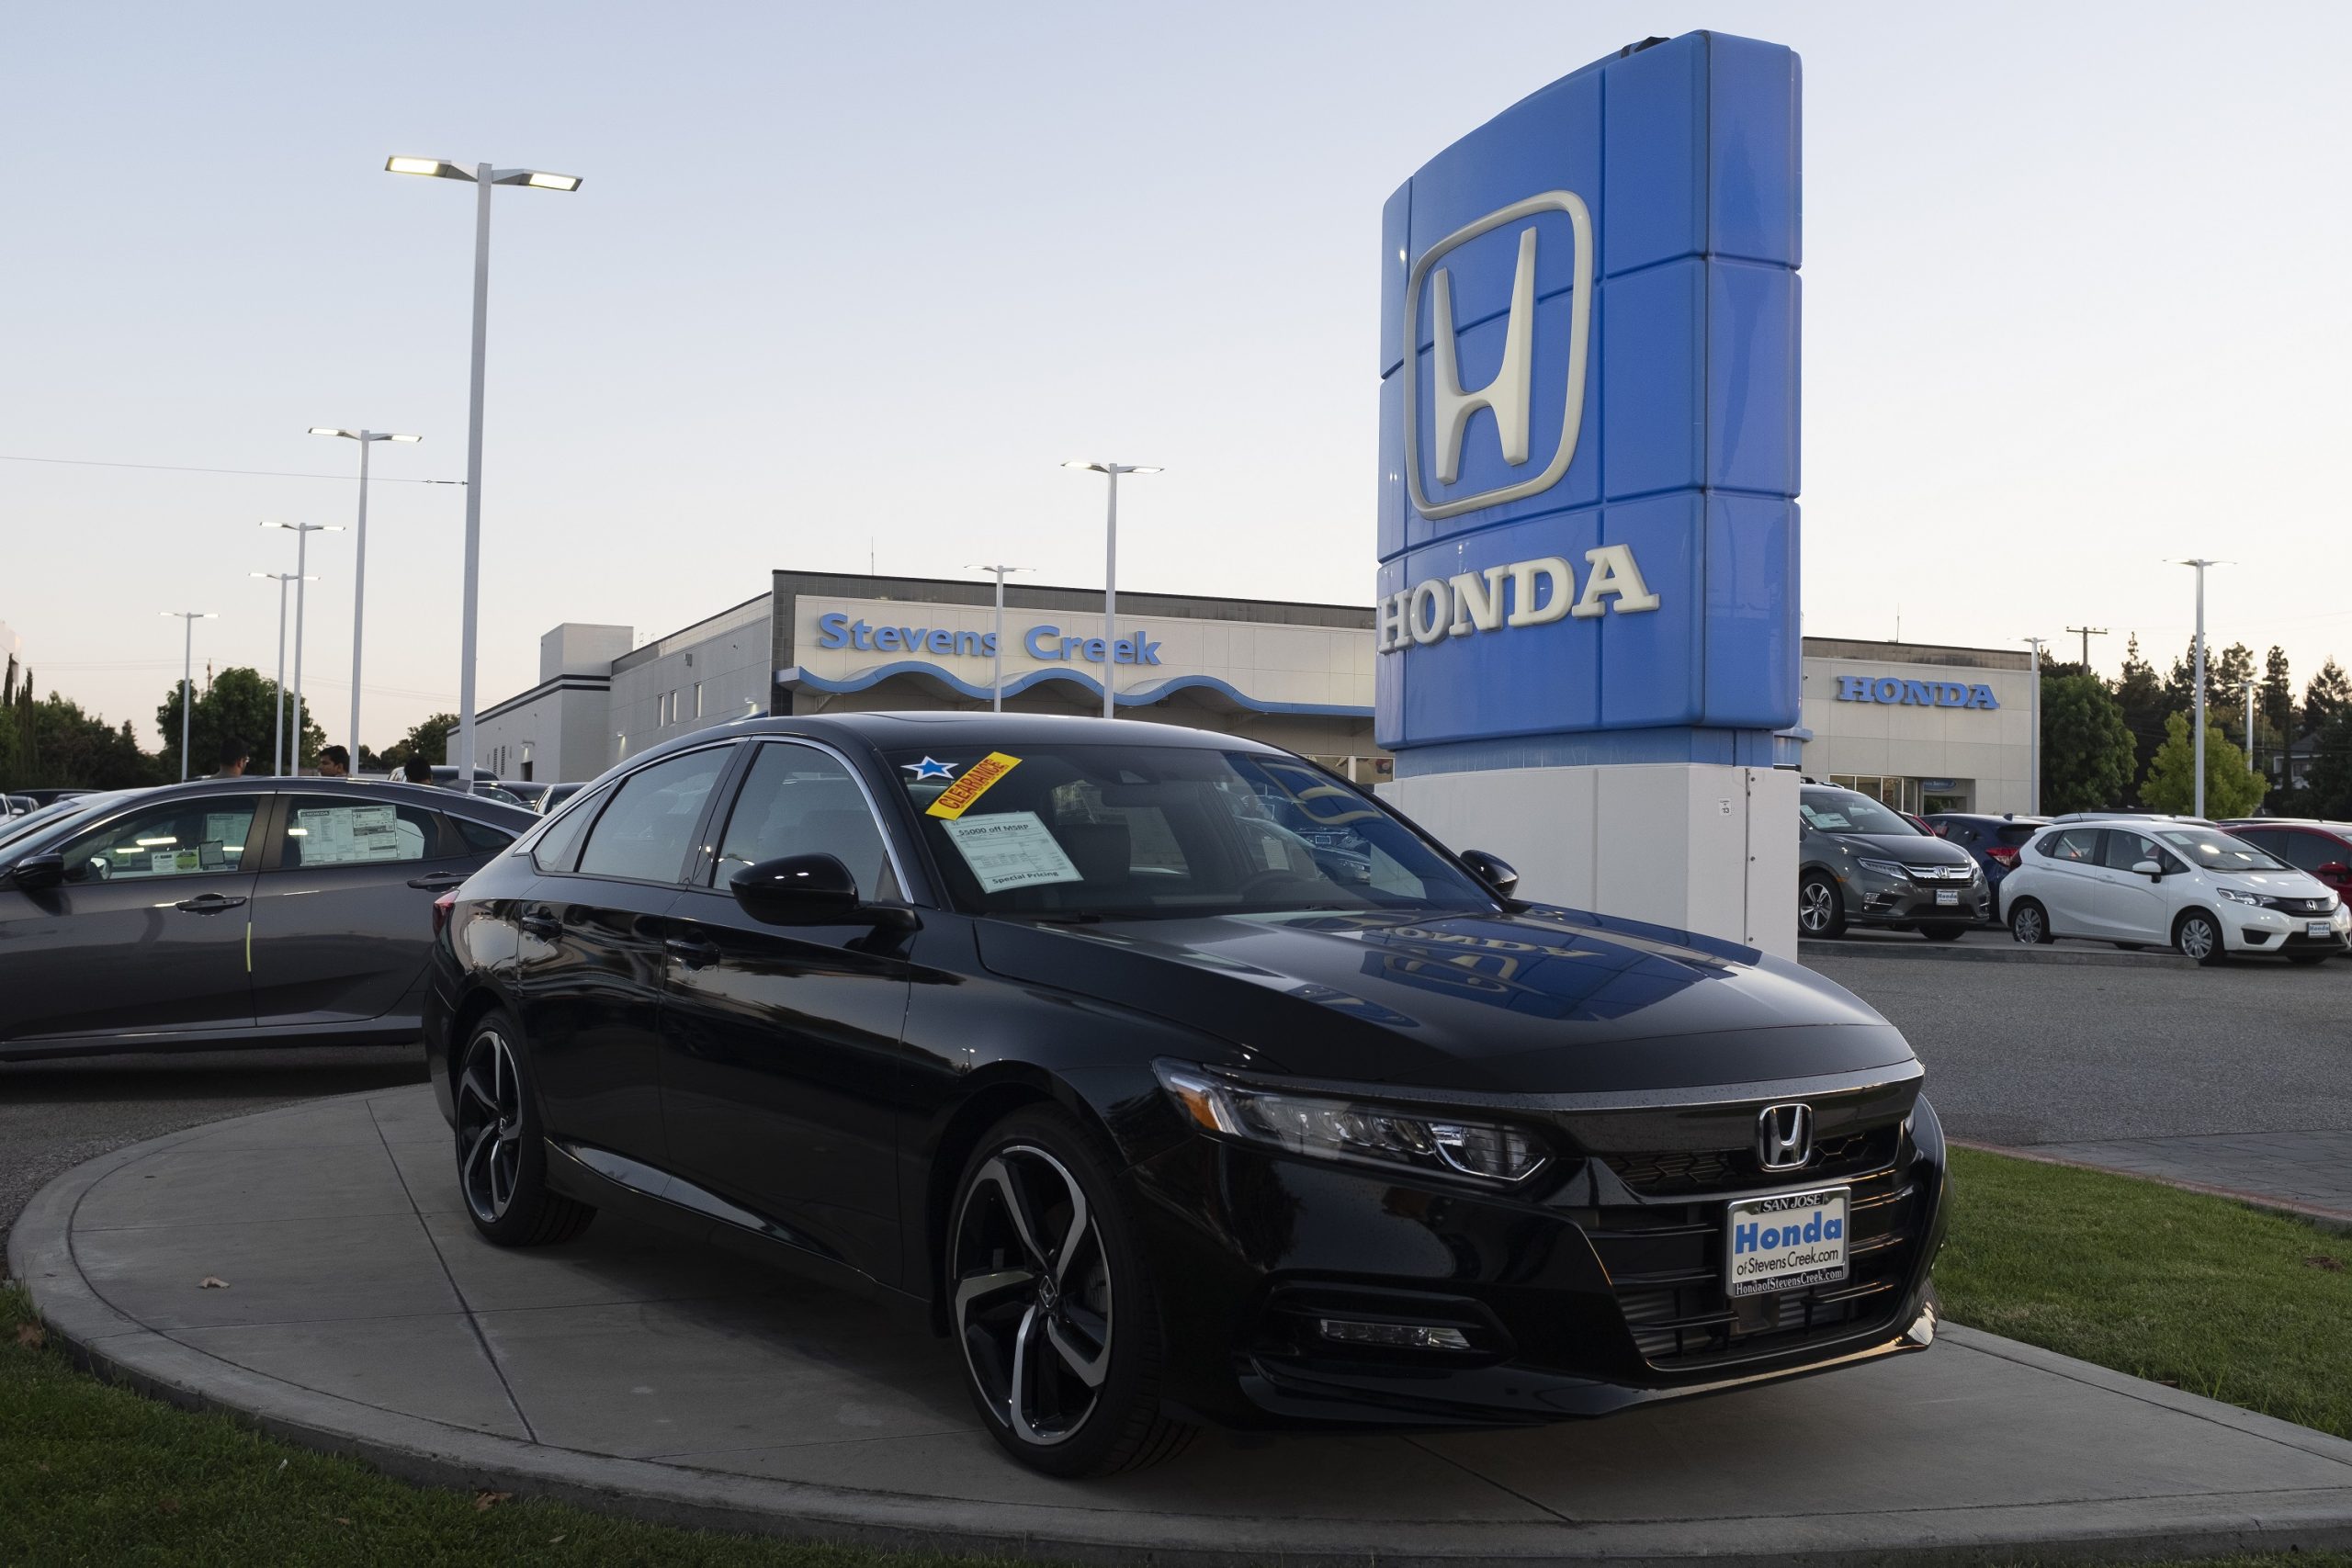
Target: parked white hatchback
<point x="2169" y="882"/>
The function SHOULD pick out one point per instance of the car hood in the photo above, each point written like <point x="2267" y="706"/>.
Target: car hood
<point x="2277" y="883"/>
<point x="1543" y="1002"/>
<point x="1912" y="849"/>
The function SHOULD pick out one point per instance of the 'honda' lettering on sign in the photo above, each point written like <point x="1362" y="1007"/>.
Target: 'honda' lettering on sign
<point x="1917" y="694"/>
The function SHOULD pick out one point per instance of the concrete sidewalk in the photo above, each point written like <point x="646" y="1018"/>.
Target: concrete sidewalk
<point x="635" y="1373"/>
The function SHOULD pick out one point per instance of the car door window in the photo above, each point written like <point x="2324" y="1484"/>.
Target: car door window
<point x="481" y="836"/>
<point x="644" y="834"/>
<point x="2306" y="851"/>
<point x="321" y="830"/>
<point x="199" y="836"/>
<point x="2077" y="846"/>
<point x="555" y="844"/>
<point x="2125" y="850"/>
<point x="797" y="800"/>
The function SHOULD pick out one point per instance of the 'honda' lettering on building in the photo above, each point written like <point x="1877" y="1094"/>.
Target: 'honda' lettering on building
<point x="1917" y="694"/>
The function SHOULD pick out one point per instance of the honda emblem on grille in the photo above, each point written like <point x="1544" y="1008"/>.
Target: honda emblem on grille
<point x="1785" y="1136"/>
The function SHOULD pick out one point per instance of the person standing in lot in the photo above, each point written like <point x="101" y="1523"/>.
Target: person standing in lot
<point x="418" y="770"/>
<point x="334" y="762"/>
<point x="234" y="754"/>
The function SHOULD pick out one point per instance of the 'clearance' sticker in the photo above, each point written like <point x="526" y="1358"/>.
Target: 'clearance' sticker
<point x="958" y="797"/>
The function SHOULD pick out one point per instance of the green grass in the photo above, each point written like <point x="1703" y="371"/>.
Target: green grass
<point x="94" y="1474"/>
<point x="2172" y="1286"/>
<point x="2178" y="1288"/>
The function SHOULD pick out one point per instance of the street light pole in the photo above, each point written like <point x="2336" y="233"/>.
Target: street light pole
<point x="2035" y="751"/>
<point x="1111" y="574"/>
<point x="2198" y="722"/>
<point x="359" y="562"/>
<point x="996" y="678"/>
<point x="188" y="619"/>
<point x="484" y="176"/>
<point x="277" y="742"/>
<point x="2247" y="687"/>
<point x="301" y="532"/>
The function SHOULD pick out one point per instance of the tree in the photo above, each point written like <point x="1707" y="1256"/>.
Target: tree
<point x="2140" y="698"/>
<point x="239" y="702"/>
<point x="2087" y="752"/>
<point x="2276" y="701"/>
<point x="55" y="744"/>
<point x="2329" y="693"/>
<point x="2226" y="671"/>
<point x="429" y="740"/>
<point x="2231" y="787"/>
<point x="2328" y="787"/>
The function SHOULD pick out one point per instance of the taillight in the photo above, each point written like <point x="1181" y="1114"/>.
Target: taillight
<point x="2003" y="855"/>
<point x="441" y="908"/>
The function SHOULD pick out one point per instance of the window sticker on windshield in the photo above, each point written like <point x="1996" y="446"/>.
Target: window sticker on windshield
<point x="1011" y="848"/>
<point x="347" y="835"/>
<point x="977" y="780"/>
<point x="1829" y="821"/>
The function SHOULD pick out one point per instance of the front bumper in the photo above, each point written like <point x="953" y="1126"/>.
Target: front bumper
<point x="1875" y="900"/>
<point x="2246" y="928"/>
<point x="1590" y="1298"/>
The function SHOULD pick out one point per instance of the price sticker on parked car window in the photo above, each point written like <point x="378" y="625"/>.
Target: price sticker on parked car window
<point x="977" y="780"/>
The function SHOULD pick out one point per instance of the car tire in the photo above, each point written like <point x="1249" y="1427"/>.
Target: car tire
<point x="1821" y="910"/>
<point x="1943" y="933"/>
<point x="1047" y="1286"/>
<point x="2199" y="935"/>
<point x="501" y="1153"/>
<point x="2029" y="923"/>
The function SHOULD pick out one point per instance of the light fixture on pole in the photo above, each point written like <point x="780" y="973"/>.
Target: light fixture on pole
<point x="188" y="619"/>
<point x="277" y="741"/>
<point x="1110" y="572"/>
<point x="2034" y="752"/>
<point x="484" y="177"/>
<point x="996" y="677"/>
<point x="2198" y="723"/>
<point x="301" y="532"/>
<point x="359" y="561"/>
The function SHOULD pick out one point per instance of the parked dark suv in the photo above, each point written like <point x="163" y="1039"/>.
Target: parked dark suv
<point x="2323" y="848"/>
<point x="1991" y="841"/>
<point x="1860" y="862"/>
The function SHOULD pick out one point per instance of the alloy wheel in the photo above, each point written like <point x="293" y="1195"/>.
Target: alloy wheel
<point x="2198" y="938"/>
<point x="1816" y="908"/>
<point x="490" y="1126"/>
<point x="1031" y="1295"/>
<point x="2026" y="924"/>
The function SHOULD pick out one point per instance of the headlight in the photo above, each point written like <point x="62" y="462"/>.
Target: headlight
<point x="1884" y="868"/>
<point x="2235" y="897"/>
<point x="1340" y="1129"/>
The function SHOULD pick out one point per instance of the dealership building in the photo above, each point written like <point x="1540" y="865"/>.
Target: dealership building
<point x="1927" y="729"/>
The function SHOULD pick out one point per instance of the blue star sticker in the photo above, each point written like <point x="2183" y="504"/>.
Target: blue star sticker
<point x="930" y="768"/>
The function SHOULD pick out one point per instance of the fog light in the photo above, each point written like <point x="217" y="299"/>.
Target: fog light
<point x="1394" y="1335"/>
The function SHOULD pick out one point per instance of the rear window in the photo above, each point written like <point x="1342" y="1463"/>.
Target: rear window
<point x="2015" y="833"/>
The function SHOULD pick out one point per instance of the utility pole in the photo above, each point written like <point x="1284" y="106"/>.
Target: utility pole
<point x="2198" y="718"/>
<point x="2087" y="633"/>
<point x="2035" y="809"/>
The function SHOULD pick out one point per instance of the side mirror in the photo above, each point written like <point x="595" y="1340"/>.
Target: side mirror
<point x="38" y="871"/>
<point x="1492" y="870"/>
<point x="2149" y="870"/>
<point x="809" y="890"/>
<point x="2334" y="870"/>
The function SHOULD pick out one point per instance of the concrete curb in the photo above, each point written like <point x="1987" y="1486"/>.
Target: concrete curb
<point x="1960" y="952"/>
<point x="2325" y="1219"/>
<point x="41" y="1254"/>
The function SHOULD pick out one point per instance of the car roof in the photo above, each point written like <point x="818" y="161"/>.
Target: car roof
<point x="436" y="799"/>
<point x="2341" y="829"/>
<point x="892" y="730"/>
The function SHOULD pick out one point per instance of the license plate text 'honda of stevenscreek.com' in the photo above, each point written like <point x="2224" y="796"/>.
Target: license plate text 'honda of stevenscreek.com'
<point x="1786" y="1242"/>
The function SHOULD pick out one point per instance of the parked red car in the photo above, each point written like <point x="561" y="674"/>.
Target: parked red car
<point x="2323" y="848"/>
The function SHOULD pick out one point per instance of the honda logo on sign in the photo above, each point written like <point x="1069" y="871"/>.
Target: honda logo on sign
<point x="1785" y="1136"/>
<point x="1510" y="395"/>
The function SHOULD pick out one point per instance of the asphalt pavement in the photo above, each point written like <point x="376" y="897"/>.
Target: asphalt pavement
<point x="55" y="1114"/>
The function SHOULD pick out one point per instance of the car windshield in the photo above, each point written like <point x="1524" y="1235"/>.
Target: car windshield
<point x="1843" y="811"/>
<point x="17" y="830"/>
<point x="2219" y="852"/>
<point x="1084" y="832"/>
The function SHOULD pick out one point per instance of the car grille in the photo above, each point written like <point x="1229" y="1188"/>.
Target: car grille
<point x="1940" y="873"/>
<point x="1670" y="1173"/>
<point x="2306" y="906"/>
<point x="1665" y="1263"/>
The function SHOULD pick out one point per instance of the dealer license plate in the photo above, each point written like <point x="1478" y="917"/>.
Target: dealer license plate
<point x="1947" y="896"/>
<point x="2318" y="928"/>
<point x="1786" y="1242"/>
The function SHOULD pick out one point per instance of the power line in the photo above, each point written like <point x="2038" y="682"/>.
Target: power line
<point x="252" y="473"/>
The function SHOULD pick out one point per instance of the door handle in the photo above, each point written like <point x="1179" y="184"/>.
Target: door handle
<point x="694" y="952"/>
<point x="436" y="880"/>
<point x="207" y="904"/>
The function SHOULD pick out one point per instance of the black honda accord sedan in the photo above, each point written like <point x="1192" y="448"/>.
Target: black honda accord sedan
<point x="1175" y="1079"/>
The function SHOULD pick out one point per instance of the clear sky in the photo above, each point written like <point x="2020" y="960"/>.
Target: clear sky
<point x="853" y="279"/>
